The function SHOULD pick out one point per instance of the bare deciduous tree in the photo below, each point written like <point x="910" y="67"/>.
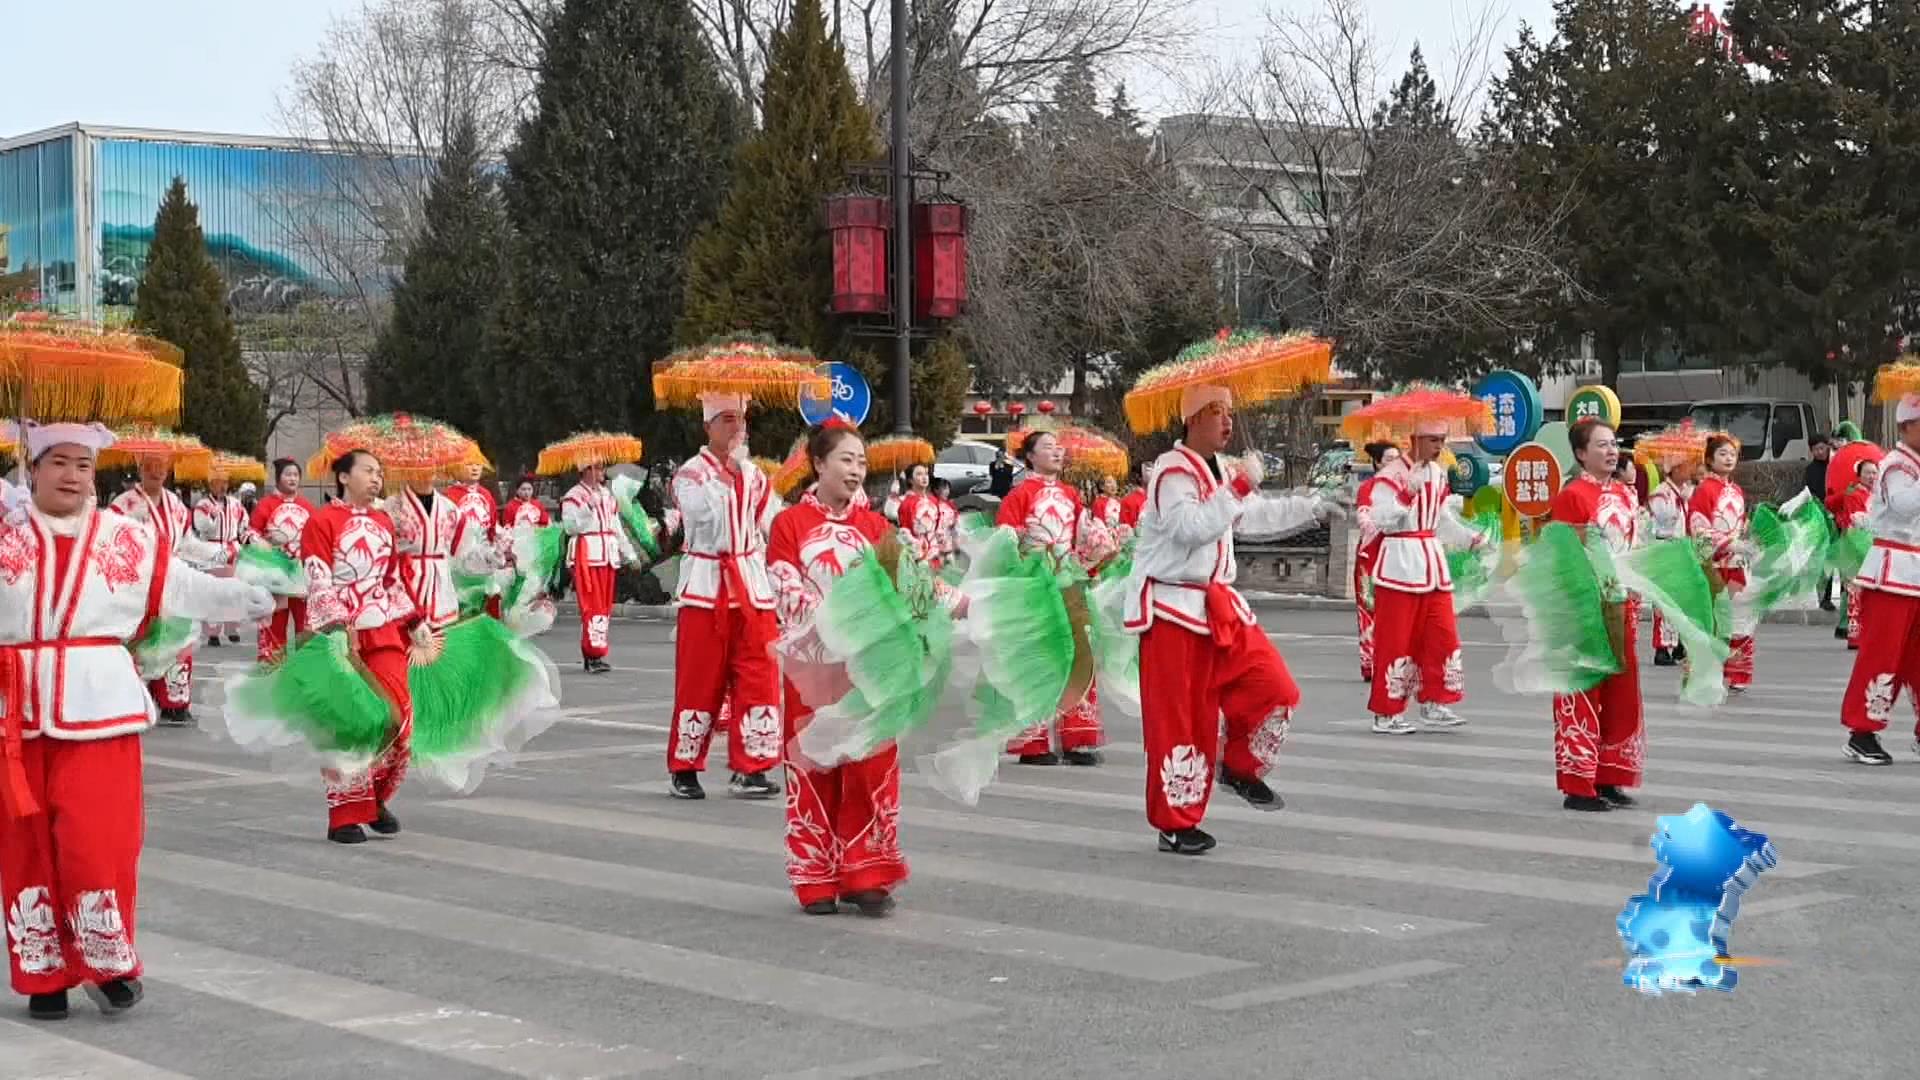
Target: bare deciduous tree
<point x="1390" y="234"/>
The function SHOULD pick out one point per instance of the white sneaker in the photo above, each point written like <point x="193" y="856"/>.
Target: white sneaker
<point x="1393" y="725"/>
<point x="1434" y="715"/>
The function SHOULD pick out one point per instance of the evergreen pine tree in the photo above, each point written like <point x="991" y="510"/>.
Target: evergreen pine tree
<point x="1122" y="113"/>
<point x="182" y="300"/>
<point x="1415" y="100"/>
<point x="623" y="161"/>
<point x="428" y="357"/>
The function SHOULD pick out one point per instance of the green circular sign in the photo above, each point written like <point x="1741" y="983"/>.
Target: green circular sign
<point x="1595" y="402"/>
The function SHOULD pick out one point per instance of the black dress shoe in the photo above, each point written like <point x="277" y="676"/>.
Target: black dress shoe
<point x="1663" y="658"/>
<point x="1615" y="796"/>
<point x="596" y="666"/>
<point x="386" y="824"/>
<point x="1082" y="757"/>
<point x="752" y="786"/>
<point x="1680" y="653"/>
<point x="117" y="996"/>
<point x="1048" y="758"/>
<point x="821" y="907"/>
<point x="1590" y="804"/>
<point x="686" y="785"/>
<point x="347" y="834"/>
<point x="1254" y="790"/>
<point x="47" y="1006"/>
<point x="1186" y="842"/>
<point x="234" y="638"/>
<point x="213" y="642"/>
<point x="873" y="903"/>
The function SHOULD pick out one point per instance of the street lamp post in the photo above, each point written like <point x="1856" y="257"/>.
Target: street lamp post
<point x="901" y="162"/>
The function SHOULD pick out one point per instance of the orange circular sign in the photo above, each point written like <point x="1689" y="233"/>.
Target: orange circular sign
<point x="1532" y="479"/>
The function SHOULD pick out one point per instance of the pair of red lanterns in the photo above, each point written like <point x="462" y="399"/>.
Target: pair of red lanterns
<point x="1015" y="410"/>
<point x="860" y="225"/>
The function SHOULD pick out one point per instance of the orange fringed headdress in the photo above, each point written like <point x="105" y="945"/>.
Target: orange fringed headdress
<point x="1679" y="445"/>
<point x="59" y="370"/>
<point x="757" y="367"/>
<point x="897" y="453"/>
<point x="1090" y="452"/>
<point x="1392" y="419"/>
<point x="576" y="452"/>
<point x="236" y="468"/>
<point x="408" y="446"/>
<point x="1256" y="367"/>
<point x="1896" y="380"/>
<point x="139" y="441"/>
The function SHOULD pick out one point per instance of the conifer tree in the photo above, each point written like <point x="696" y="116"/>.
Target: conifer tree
<point x="182" y="300"/>
<point x="428" y="358"/>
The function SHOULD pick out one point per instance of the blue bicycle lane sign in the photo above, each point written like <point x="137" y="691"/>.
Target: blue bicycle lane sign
<point x="852" y="397"/>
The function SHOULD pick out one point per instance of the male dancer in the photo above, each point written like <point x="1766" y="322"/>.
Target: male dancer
<point x="153" y="502"/>
<point x="722" y="644"/>
<point x="220" y="520"/>
<point x="279" y="519"/>
<point x="1201" y="653"/>
<point x="1889" y="587"/>
<point x="1415" y="640"/>
<point x="589" y="515"/>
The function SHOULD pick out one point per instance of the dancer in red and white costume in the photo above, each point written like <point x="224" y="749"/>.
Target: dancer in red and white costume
<point x="1106" y="505"/>
<point x="351" y="555"/>
<point x="1598" y="742"/>
<point x="842" y="823"/>
<point x="920" y="515"/>
<point x="431" y="536"/>
<point x="1415" y="639"/>
<point x="279" y="519"/>
<point x="1136" y="499"/>
<point x="1851" y="510"/>
<point x="600" y="546"/>
<point x="524" y="510"/>
<point x="1889" y="587"/>
<point x="476" y="502"/>
<point x="220" y="520"/>
<point x="949" y="520"/>
<point x="1366" y="553"/>
<point x="1048" y="517"/>
<point x="1202" y="655"/>
<point x="1667" y="510"/>
<point x="1717" y="516"/>
<point x="722" y="643"/>
<point x="75" y="585"/>
<point x="151" y="501"/>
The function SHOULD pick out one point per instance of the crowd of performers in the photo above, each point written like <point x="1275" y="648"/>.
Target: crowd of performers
<point x="393" y="626"/>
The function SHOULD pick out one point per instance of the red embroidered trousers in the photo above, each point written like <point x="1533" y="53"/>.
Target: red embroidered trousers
<point x="69" y="874"/>
<point x="1598" y="736"/>
<point x="722" y="656"/>
<point x="1416" y="651"/>
<point x="842" y="823"/>
<point x="356" y="799"/>
<point x="593" y="588"/>
<point x="1888" y="660"/>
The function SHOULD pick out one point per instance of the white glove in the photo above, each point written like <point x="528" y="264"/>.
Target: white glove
<point x="1254" y="466"/>
<point x="741" y="456"/>
<point x="260" y="603"/>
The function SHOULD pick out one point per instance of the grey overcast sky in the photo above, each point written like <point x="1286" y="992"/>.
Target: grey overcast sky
<point x="219" y="65"/>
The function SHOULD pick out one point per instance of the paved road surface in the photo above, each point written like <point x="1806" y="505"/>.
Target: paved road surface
<point x="1423" y="908"/>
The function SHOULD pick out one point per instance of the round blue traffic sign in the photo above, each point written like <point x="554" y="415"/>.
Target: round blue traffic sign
<point x="852" y="399"/>
<point x="1517" y="412"/>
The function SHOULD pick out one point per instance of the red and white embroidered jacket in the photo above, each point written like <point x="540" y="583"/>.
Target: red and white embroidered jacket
<point x="223" y="523"/>
<point x="1409" y="507"/>
<point x="1718" y="513"/>
<point x="1667" y="507"/>
<point x="353" y="572"/>
<point x="1893" y="514"/>
<point x="592" y="517"/>
<point x="1185" y="546"/>
<point x="280" y="520"/>
<point x="428" y="541"/>
<point x="1131" y="507"/>
<point x="1046" y="513"/>
<point x="726" y="517"/>
<point x="64" y="667"/>
<point x="810" y="547"/>
<point x="171" y="521"/>
<point x="920" y="519"/>
<point x="1106" y="511"/>
<point x="476" y="503"/>
<point x="526" y="512"/>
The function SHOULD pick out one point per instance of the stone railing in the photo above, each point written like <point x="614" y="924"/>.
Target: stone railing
<point x="1315" y="564"/>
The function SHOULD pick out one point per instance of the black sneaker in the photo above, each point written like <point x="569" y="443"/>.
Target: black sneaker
<point x="1590" y="804"/>
<point x="1254" y="790"/>
<point x="1048" y="758"/>
<point x="1840" y="632"/>
<point x="1615" y="796"/>
<point x="686" y="785"/>
<point x="386" y="824"/>
<point x="213" y="642"/>
<point x="47" y="1006"/>
<point x="234" y="638"/>
<point x="347" y="834"/>
<point x="596" y="666"/>
<point x="117" y="996"/>
<point x="821" y="907"/>
<point x="1864" y="747"/>
<point x="1082" y="757"/>
<point x="1664" y="658"/>
<point x="1186" y="842"/>
<point x="873" y="903"/>
<point x="752" y="786"/>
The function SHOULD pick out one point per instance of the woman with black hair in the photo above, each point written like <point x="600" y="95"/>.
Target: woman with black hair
<point x="1367" y="553"/>
<point x="279" y="519"/>
<point x="1047" y="516"/>
<point x="1717" y="514"/>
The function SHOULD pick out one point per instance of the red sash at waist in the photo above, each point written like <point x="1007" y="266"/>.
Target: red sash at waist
<point x="13" y="679"/>
<point x="1422" y="534"/>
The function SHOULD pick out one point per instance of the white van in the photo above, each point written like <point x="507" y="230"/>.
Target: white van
<point x="1768" y="429"/>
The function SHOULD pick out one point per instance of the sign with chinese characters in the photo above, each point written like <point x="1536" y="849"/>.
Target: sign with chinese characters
<point x="1594" y="402"/>
<point x="1515" y="402"/>
<point x="1532" y="480"/>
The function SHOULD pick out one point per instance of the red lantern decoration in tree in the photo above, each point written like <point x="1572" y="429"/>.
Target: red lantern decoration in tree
<point x="981" y="408"/>
<point x="1047" y="408"/>
<point x="1016" y="409"/>
<point x="859" y="224"/>
<point x="940" y="259"/>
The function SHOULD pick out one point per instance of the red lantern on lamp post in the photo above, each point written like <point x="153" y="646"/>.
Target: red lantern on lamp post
<point x="940" y="259"/>
<point x="859" y="224"/>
